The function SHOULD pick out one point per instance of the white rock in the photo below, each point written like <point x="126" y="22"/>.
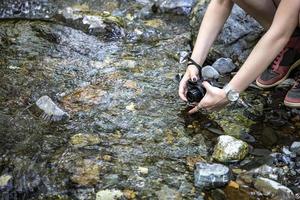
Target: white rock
<point x="108" y="194"/>
<point x="230" y="149"/>
<point x="4" y="179"/>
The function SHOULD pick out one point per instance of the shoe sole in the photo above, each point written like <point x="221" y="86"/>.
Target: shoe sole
<point x="295" y="65"/>
<point x="292" y="105"/>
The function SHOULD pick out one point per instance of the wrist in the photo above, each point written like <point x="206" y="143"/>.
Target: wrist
<point x="231" y="93"/>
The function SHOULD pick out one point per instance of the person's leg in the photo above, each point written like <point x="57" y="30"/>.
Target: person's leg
<point x="262" y="10"/>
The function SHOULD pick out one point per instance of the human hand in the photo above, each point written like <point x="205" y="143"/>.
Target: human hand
<point x="214" y="99"/>
<point x="192" y="73"/>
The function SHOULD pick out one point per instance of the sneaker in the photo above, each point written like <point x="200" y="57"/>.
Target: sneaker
<point x="287" y="60"/>
<point x="292" y="98"/>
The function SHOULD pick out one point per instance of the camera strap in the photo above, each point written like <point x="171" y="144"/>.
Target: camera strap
<point x="192" y="62"/>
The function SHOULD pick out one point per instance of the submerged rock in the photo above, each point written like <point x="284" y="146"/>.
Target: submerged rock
<point x="273" y="189"/>
<point x="109" y="194"/>
<point x="4" y="181"/>
<point x="86" y="173"/>
<point x="50" y="111"/>
<point x="224" y="65"/>
<point x="167" y="193"/>
<point x="209" y="176"/>
<point x="81" y="140"/>
<point x="229" y="149"/>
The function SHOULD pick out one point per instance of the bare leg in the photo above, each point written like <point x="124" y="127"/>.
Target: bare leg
<point x="262" y="10"/>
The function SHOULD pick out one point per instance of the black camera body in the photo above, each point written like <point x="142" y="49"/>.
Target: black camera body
<point x="196" y="91"/>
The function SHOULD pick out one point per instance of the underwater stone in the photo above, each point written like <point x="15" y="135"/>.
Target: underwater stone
<point x="208" y="176"/>
<point x="208" y="72"/>
<point x="229" y="149"/>
<point x="167" y="193"/>
<point x="224" y="65"/>
<point x="86" y="173"/>
<point x="4" y="180"/>
<point x="81" y="140"/>
<point x="109" y="194"/>
<point x="273" y="189"/>
<point x="50" y="110"/>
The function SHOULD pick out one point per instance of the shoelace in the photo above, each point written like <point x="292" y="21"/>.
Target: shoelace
<point x="278" y="59"/>
<point x="297" y="84"/>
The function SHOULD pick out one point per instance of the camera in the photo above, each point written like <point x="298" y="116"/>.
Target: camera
<point x="196" y="91"/>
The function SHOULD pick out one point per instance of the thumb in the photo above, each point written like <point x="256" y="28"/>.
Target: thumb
<point x="207" y="86"/>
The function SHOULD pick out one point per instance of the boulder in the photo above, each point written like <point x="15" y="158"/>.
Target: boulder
<point x="230" y="149"/>
<point x="167" y="193"/>
<point x="240" y="33"/>
<point x="175" y="6"/>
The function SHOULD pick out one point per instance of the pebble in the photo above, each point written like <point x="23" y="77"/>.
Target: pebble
<point x="295" y="147"/>
<point x="209" y="176"/>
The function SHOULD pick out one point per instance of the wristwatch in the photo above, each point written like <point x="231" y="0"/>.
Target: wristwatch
<point x="231" y="94"/>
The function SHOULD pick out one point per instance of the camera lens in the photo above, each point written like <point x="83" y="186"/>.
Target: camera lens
<point x="194" y="95"/>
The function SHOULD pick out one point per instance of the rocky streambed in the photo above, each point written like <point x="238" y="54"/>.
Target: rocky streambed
<point x="121" y="132"/>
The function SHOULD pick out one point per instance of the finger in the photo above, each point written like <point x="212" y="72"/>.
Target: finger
<point x="194" y="110"/>
<point x="182" y="88"/>
<point x="194" y="74"/>
<point x="206" y="85"/>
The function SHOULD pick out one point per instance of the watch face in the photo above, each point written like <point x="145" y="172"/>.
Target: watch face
<point x="233" y="95"/>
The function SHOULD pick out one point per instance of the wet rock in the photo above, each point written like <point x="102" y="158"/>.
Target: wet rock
<point x="285" y="150"/>
<point x="269" y="136"/>
<point x="167" y="193"/>
<point x="273" y="189"/>
<point x="4" y="181"/>
<point x="211" y="175"/>
<point x="224" y="65"/>
<point x="109" y="194"/>
<point x="143" y="170"/>
<point x="229" y="149"/>
<point x="81" y="140"/>
<point x="218" y="194"/>
<point x="237" y="38"/>
<point x="208" y="72"/>
<point x="50" y="111"/>
<point x="266" y="171"/>
<point x="295" y="147"/>
<point x="260" y="152"/>
<point x="175" y="6"/>
<point x="92" y="22"/>
<point x="86" y="173"/>
<point x="26" y="9"/>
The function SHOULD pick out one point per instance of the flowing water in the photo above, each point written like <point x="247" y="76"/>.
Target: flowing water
<point x="118" y="87"/>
